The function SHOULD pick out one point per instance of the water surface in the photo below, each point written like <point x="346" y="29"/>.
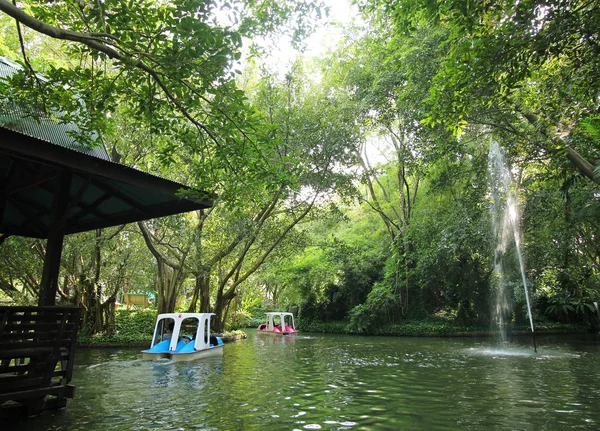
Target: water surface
<point x="337" y="382"/>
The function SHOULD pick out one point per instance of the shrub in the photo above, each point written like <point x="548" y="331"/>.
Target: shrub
<point x="132" y="326"/>
<point x="375" y="312"/>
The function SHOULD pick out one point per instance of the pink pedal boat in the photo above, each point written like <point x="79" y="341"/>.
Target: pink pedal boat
<point x="278" y="322"/>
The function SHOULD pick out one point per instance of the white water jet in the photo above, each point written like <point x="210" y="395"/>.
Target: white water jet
<point x="505" y="224"/>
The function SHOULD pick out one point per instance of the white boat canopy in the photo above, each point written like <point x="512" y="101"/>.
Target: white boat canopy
<point x="279" y="318"/>
<point x="169" y="325"/>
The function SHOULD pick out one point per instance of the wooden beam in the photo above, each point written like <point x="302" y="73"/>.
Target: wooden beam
<point x="31" y="214"/>
<point x="26" y="174"/>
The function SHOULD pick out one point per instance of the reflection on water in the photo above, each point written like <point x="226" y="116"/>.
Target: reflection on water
<point x="337" y="382"/>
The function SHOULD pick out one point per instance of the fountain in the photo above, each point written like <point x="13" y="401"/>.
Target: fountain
<point x="505" y="224"/>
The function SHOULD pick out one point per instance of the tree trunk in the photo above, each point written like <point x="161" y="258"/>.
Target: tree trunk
<point x="222" y="302"/>
<point x="168" y="284"/>
<point x="205" y="294"/>
<point x="195" y="294"/>
<point x="109" y="324"/>
<point x="170" y="274"/>
<point x="201" y="293"/>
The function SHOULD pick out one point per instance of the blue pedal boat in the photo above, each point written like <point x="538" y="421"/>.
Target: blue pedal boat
<point x="183" y="337"/>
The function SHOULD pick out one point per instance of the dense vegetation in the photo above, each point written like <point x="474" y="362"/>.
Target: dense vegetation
<point x="307" y="218"/>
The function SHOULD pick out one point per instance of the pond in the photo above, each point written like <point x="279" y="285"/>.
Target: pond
<point x="338" y="382"/>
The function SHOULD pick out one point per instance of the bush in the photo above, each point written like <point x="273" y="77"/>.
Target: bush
<point x="135" y="322"/>
<point x="329" y="327"/>
<point x="132" y="326"/>
<point x="425" y="328"/>
<point x="375" y="312"/>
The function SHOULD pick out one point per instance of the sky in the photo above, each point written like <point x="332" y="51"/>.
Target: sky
<point x="328" y="34"/>
<point x="341" y="12"/>
<point x="325" y="38"/>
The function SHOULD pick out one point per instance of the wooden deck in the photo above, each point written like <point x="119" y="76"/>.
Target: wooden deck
<point x="37" y="347"/>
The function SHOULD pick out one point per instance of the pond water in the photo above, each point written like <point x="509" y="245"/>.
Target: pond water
<point x="337" y="382"/>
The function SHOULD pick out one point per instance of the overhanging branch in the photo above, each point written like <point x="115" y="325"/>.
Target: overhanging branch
<point x="104" y="43"/>
<point x="582" y="165"/>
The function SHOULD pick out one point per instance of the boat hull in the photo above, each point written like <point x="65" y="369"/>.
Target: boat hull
<point x="187" y="356"/>
<point x="152" y="356"/>
<point x="172" y="341"/>
<point x="264" y="331"/>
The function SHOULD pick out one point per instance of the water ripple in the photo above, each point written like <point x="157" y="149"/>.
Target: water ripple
<point x="336" y="383"/>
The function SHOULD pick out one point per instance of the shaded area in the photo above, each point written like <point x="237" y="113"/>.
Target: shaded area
<point x="98" y="193"/>
<point x="37" y="352"/>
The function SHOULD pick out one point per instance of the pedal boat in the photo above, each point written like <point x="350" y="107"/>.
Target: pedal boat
<point x="170" y="342"/>
<point x="278" y="322"/>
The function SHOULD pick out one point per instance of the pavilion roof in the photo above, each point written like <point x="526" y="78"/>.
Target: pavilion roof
<point x="36" y="150"/>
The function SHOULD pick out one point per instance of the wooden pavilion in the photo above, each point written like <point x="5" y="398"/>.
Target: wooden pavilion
<point x="52" y="186"/>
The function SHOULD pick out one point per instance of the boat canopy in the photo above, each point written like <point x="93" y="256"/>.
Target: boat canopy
<point x="279" y="318"/>
<point x="177" y="325"/>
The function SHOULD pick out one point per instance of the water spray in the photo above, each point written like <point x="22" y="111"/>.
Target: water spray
<point x="500" y="183"/>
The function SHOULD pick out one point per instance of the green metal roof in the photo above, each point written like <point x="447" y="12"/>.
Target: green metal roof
<point x="38" y="125"/>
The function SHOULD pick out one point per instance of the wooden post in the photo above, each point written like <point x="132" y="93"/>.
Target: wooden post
<point x="49" y="284"/>
<point x="2" y="201"/>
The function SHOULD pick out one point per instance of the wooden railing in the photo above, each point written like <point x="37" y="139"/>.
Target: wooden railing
<point x="37" y="348"/>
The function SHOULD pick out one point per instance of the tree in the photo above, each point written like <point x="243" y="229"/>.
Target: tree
<point x="521" y="66"/>
<point x="562" y="215"/>
<point x="526" y="73"/>
<point x="388" y="78"/>
<point x="305" y="142"/>
<point x="22" y="260"/>
<point x="168" y="65"/>
<point x="94" y="270"/>
<point x="172" y="236"/>
<point x="164" y="71"/>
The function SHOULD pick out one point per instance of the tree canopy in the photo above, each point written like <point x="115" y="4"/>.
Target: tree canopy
<point x="307" y="218"/>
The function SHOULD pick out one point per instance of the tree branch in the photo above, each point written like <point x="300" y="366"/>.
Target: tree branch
<point x="582" y="165"/>
<point x="272" y="247"/>
<point x="157" y="254"/>
<point x="99" y="42"/>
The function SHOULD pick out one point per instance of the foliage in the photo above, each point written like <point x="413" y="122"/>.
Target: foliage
<point x="421" y="328"/>
<point x="376" y="311"/>
<point x="453" y="261"/>
<point x="317" y="326"/>
<point x="21" y="269"/>
<point x="132" y="327"/>
<point x="305" y="218"/>
<point x="562" y="213"/>
<point x="337" y="271"/>
<point x="158" y="84"/>
<point x="169" y="65"/>
<point x="433" y="327"/>
<point x="135" y="322"/>
<point x="529" y="68"/>
<point x="136" y="328"/>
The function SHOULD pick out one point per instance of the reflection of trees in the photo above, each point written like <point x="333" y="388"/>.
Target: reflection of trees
<point x="380" y="382"/>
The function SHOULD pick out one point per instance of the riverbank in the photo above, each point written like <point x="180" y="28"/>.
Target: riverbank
<point x="439" y="329"/>
<point x="135" y="329"/>
<point x="116" y="340"/>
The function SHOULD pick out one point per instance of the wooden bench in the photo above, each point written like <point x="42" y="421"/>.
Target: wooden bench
<point x="37" y="349"/>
